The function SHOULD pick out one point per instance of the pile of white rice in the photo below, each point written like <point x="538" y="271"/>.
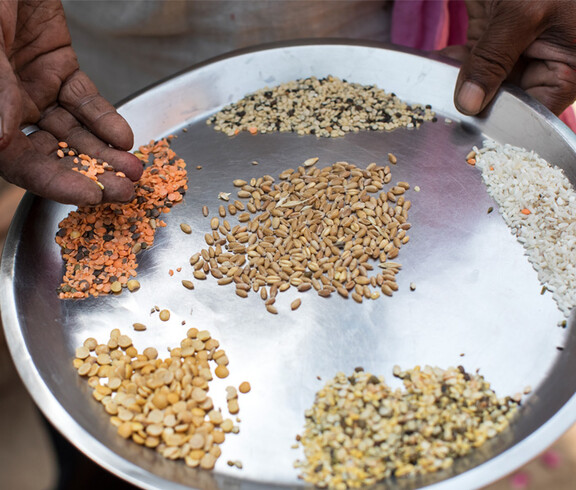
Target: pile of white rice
<point x="520" y="180"/>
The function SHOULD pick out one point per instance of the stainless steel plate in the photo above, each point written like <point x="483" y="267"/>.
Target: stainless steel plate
<point x="478" y="302"/>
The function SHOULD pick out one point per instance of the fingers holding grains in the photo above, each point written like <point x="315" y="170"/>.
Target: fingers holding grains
<point x="34" y="168"/>
<point x="65" y="127"/>
<point x="122" y="161"/>
<point x="114" y="185"/>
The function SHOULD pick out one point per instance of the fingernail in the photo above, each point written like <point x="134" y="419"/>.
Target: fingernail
<point x="470" y="98"/>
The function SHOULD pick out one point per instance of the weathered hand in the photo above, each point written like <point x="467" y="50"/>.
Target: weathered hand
<point x="40" y="83"/>
<point x="530" y="43"/>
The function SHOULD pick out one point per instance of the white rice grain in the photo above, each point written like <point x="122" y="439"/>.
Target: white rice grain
<point x="518" y="179"/>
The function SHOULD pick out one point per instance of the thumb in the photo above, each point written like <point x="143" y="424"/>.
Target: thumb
<point x="10" y="102"/>
<point x="491" y="60"/>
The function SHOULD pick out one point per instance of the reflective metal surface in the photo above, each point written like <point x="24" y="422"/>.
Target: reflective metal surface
<point x="477" y="300"/>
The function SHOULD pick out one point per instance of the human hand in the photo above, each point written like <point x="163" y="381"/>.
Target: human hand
<point x="40" y="83"/>
<point x="529" y="43"/>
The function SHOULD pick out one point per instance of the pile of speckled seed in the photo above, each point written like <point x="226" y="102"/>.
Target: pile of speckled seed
<point x="318" y="228"/>
<point x="99" y="244"/>
<point x="359" y="431"/>
<point x="327" y="107"/>
<point x="161" y="403"/>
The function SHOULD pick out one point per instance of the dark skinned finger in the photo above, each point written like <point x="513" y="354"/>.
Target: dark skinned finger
<point x="116" y="189"/>
<point x="456" y="52"/>
<point x="549" y="75"/>
<point x="80" y="97"/>
<point x="65" y="127"/>
<point x="44" y="143"/>
<point x="493" y="58"/>
<point x="22" y="164"/>
<point x="550" y="82"/>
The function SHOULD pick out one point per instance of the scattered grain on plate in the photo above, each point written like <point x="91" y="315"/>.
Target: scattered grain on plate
<point x="272" y="309"/>
<point x="360" y="431"/>
<point x="336" y="229"/>
<point x="326" y="107"/>
<point x="162" y="404"/>
<point x="295" y="304"/>
<point x="244" y="387"/>
<point x="99" y="244"/>
<point x="310" y="161"/>
<point x="133" y="285"/>
<point x="538" y="203"/>
<point x="198" y="274"/>
<point x="221" y="371"/>
<point x="233" y="407"/>
<point x="139" y="327"/>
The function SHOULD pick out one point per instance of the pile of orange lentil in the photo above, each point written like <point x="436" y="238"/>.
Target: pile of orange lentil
<point x="99" y="244"/>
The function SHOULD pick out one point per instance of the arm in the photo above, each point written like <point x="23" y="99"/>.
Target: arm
<point x="41" y="83"/>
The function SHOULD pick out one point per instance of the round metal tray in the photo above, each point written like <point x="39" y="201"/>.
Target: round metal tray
<point x="478" y="302"/>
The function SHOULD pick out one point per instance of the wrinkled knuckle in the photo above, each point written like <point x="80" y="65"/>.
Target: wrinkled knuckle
<point x="77" y="91"/>
<point x="491" y="64"/>
<point x="498" y="61"/>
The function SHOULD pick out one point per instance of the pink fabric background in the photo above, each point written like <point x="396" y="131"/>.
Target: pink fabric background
<point x="434" y="24"/>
